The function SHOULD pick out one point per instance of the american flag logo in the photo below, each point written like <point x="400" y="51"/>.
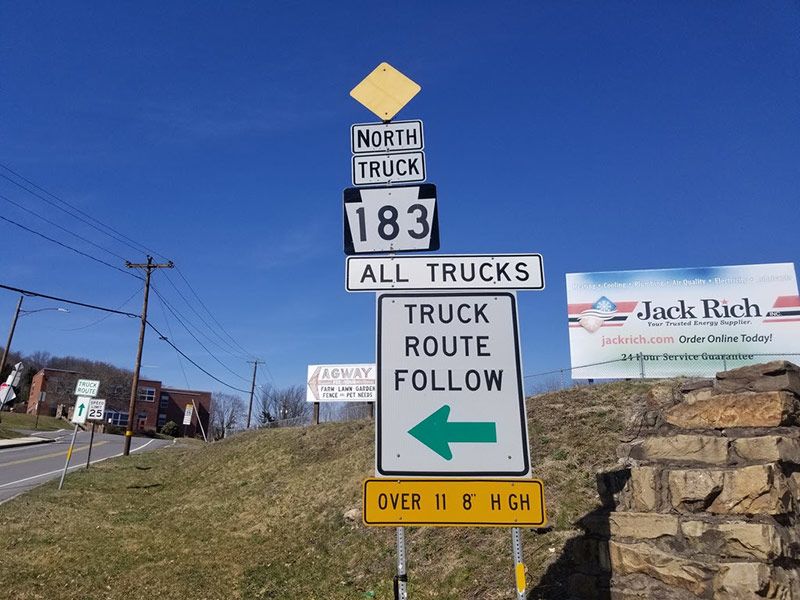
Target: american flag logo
<point x="602" y="313"/>
<point x="786" y="309"/>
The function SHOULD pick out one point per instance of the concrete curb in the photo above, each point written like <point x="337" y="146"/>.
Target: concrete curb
<point x="24" y="441"/>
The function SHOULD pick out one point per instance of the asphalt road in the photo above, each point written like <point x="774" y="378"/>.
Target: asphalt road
<point x="24" y="468"/>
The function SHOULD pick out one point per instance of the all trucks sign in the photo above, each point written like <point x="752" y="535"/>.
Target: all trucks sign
<point x="671" y="322"/>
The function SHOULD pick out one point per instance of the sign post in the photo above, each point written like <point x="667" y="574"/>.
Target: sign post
<point x="79" y="414"/>
<point x="97" y="409"/>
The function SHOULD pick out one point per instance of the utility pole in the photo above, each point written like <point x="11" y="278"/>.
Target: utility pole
<point x="149" y="266"/>
<point x="252" y="388"/>
<point x="10" y="335"/>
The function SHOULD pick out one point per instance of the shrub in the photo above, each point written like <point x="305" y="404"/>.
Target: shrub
<point x="171" y="428"/>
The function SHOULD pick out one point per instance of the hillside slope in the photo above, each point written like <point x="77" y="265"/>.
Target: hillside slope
<point x="261" y="515"/>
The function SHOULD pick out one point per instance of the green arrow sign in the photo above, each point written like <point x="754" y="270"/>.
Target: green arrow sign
<point x="437" y="433"/>
<point x="80" y="409"/>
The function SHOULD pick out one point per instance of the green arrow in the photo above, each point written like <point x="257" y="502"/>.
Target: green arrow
<point x="80" y="409"/>
<point x="437" y="433"/>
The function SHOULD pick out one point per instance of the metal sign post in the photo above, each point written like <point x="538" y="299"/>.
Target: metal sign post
<point x="91" y="441"/>
<point x="69" y="455"/>
<point x="199" y="422"/>
<point x="519" y="566"/>
<point x="401" y="579"/>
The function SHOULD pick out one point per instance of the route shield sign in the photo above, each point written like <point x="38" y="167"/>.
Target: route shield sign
<point x="81" y="410"/>
<point x="391" y="219"/>
<point x="450" y="398"/>
<point x="454" y="502"/>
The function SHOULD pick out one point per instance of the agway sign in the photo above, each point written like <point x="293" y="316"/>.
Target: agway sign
<point x="341" y="383"/>
<point x="454" y="502"/>
<point x="391" y="219"/>
<point x="450" y="398"/>
<point x="441" y="271"/>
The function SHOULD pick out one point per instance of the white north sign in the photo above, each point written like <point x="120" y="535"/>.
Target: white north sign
<point x="391" y="219"/>
<point x="87" y="387"/>
<point x="376" y="169"/>
<point x="442" y="271"/>
<point x="341" y="383"/>
<point x="450" y="398"/>
<point x="397" y="136"/>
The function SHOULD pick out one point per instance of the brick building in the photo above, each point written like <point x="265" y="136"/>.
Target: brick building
<point x="155" y="404"/>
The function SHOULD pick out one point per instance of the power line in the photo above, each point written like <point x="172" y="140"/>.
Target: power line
<point x="107" y="315"/>
<point x="68" y="247"/>
<point x="31" y="293"/>
<point x="169" y="328"/>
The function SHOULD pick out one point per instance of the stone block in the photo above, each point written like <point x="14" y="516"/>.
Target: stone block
<point x="751" y="409"/>
<point x="683" y="448"/>
<point x="767" y="448"/>
<point x="642" y="525"/>
<point x="643" y="490"/>
<point x="696" y="384"/>
<point x="738" y="539"/>
<point x="696" y="395"/>
<point x="688" y="575"/>
<point x="755" y="581"/>
<point x="693" y="490"/>
<point x="760" y="489"/>
<point x="778" y="375"/>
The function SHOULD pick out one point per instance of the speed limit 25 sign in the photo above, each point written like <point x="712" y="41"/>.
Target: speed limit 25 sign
<point x="391" y="219"/>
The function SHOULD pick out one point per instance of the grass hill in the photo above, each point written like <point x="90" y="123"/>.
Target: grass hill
<point x="261" y="515"/>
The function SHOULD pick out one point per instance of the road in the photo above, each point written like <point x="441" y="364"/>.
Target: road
<point x="24" y="468"/>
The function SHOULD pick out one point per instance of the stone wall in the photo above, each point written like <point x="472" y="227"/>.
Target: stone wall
<point x="706" y="503"/>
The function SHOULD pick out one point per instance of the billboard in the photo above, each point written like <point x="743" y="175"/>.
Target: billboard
<point x="671" y="322"/>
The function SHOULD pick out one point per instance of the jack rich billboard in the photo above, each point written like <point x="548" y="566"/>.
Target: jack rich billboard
<point x="672" y="322"/>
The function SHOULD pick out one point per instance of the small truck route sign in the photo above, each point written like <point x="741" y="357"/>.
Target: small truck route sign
<point x="391" y="219"/>
<point x="450" y="399"/>
<point x="341" y="383"/>
<point x="454" y="502"/>
<point x="87" y="387"/>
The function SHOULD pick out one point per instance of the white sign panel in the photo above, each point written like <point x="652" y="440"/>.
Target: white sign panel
<point x="97" y="408"/>
<point x="391" y="219"/>
<point x="672" y="322"/>
<point x="87" y="387"/>
<point x="375" y="169"/>
<point x="81" y="410"/>
<point x="187" y="414"/>
<point x="450" y="399"/>
<point x="341" y="383"/>
<point x="397" y="136"/>
<point x="6" y="393"/>
<point x="442" y="271"/>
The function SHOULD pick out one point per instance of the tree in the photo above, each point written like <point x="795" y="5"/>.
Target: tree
<point x="228" y="411"/>
<point x="288" y="403"/>
<point x="263" y="414"/>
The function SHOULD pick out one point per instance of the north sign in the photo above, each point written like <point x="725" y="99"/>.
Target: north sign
<point x="442" y="271"/>
<point x="391" y="219"/>
<point x="450" y="398"/>
<point x="397" y="136"/>
<point x="376" y="169"/>
<point x="454" y="502"/>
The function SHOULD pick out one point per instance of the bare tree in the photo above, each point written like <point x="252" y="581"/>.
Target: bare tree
<point x="263" y="414"/>
<point x="227" y="412"/>
<point x="288" y="403"/>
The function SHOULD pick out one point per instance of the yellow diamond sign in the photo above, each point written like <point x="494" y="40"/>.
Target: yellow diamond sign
<point x="385" y="91"/>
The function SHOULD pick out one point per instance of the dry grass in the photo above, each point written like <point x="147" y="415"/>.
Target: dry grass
<point x="260" y="516"/>
<point x="12" y="421"/>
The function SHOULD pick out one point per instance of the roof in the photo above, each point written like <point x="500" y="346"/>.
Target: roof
<point x="49" y="370"/>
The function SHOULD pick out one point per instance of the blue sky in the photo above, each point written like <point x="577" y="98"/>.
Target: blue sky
<point x="604" y="135"/>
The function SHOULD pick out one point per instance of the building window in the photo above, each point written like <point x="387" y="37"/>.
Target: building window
<point x="119" y="419"/>
<point x="163" y="401"/>
<point x="146" y="394"/>
<point x="162" y="419"/>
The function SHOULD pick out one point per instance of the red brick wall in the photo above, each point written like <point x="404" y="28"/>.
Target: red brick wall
<point x="178" y="399"/>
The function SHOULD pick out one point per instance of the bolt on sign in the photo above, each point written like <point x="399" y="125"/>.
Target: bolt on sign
<point x="450" y="397"/>
<point x="385" y="91"/>
<point x="454" y="502"/>
<point x="87" y="387"/>
<point x="341" y="383"/>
